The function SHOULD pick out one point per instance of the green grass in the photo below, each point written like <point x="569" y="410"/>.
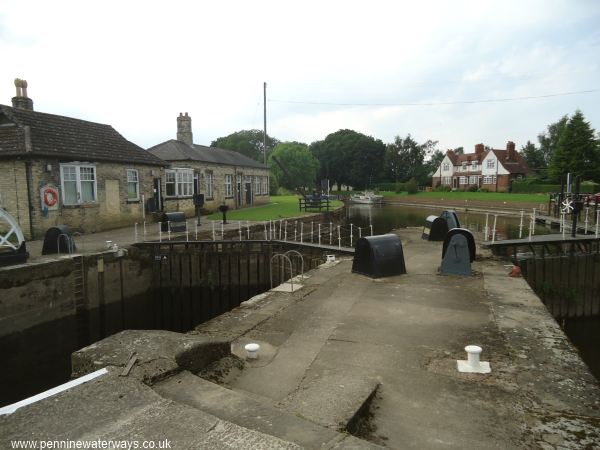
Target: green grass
<point x="481" y="196"/>
<point x="281" y="207"/>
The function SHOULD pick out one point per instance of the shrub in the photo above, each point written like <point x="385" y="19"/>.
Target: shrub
<point x="411" y="186"/>
<point x="443" y="188"/>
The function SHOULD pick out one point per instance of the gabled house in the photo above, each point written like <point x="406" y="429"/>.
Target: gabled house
<point x="490" y="169"/>
<point x="221" y="176"/>
<point x="60" y="170"/>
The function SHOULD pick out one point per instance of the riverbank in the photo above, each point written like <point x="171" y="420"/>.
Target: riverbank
<point x="343" y="347"/>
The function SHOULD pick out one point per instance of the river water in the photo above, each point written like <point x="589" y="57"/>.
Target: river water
<point x="385" y="218"/>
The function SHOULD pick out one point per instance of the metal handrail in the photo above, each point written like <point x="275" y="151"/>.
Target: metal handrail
<point x="284" y="257"/>
<point x="296" y="252"/>
<point x="68" y="243"/>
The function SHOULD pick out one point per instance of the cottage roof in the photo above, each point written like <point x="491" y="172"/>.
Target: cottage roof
<point x="518" y="166"/>
<point x="65" y="137"/>
<point x="173" y="150"/>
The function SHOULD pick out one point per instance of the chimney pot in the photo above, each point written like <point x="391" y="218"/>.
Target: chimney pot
<point x="184" y="129"/>
<point x="21" y="100"/>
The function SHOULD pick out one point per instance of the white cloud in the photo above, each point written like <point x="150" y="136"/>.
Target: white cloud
<point x="136" y="65"/>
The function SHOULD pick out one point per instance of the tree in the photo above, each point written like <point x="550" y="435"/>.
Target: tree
<point x="549" y="139"/>
<point x="534" y="156"/>
<point x="578" y="151"/>
<point x="349" y="157"/>
<point x="405" y="159"/>
<point x="459" y="150"/>
<point x="246" y="142"/>
<point x="299" y="162"/>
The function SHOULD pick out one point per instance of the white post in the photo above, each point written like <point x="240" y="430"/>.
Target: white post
<point x="330" y="232"/>
<point x="266" y="235"/>
<point x="144" y="231"/>
<point x="359" y="232"/>
<point x="222" y="232"/>
<point x="494" y="230"/>
<point x="311" y="232"/>
<point x="280" y="224"/>
<point x="301" y="232"/>
<point x="169" y="229"/>
<point x="587" y="213"/>
<point x="285" y="232"/>
<point x="135" y="238"/>
<point x="248" y="230"/>
<point x="295" y="233"/>
<point x="143" y="207"/>
<point x="159" y="232"/>
<point x="597" y="214"/>
<point x="319" y="234"/>
<point x="486" y="230"/>
<point x="187" y="236"/>
<point x="533" y="221"/>
<point x="196" y="230"/>
<point x="562" y="218"/>
<point x="339" y="238"/>
<point x="371" y="229"/>
<point x="521" y="225"/>
<point x="350" y="235"/>
<point x="531" y="227"/>
<point x="213" y="231"/>
<point x="240" y="229"/>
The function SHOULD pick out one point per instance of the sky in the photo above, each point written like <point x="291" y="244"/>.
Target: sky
<point x="457" y="72"/>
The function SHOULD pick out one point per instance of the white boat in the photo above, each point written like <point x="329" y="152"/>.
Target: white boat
<point x="366" y="198"/>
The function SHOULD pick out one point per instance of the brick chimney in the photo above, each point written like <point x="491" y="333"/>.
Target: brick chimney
<point x="479" y="149"/>
<point x="21" y="100"/>
<point x="184" y="129"/>
<point x="511" y="153"/>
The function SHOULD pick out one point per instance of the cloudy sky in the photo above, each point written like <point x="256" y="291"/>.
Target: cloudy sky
<point x="430" y="68"/>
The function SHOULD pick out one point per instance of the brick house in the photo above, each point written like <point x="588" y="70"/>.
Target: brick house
<point x="59" y="170"/>
<point x="490" y="169"/>
<point x="222" y="176"/>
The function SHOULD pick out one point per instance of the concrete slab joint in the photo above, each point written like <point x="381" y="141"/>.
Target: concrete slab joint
<point x="158" y="353"/>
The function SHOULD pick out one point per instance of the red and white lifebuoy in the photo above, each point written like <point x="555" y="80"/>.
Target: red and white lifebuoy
<point x="49" y="197"/>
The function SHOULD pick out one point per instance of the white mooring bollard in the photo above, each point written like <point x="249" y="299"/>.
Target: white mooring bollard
<point x="252" y="350"/>
<point x="473" y="364"/>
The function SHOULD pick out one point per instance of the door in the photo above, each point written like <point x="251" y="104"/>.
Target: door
<point x="157" y="191"/>
<point x="455" y="182"/>
<point x="248" y="192"/>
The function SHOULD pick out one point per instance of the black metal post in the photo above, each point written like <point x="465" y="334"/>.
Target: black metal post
<point x="576" y="205"/>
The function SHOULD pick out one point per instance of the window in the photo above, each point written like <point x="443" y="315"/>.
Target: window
<point x="446" y="167"/>
<point x="265" y="185"/>
<point x="447" y="181"/>
<point x="256" y="185"/>
<point x="491" y="163"/>
<point x="474" y="166"/>
<point x="463" y="180"/>
<point x="208" y="177"/>
<point x="133" y="185"/>
<point x="464" y="167"/>
<point x="179" y="182"/>
<point x="473" y="179"/>
<point x="228" y="185"/>
<point x="489" y="179"/>
<point x="78" y="183"/>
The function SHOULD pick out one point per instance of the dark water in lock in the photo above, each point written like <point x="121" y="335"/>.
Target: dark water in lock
<point x="584" y="333"/>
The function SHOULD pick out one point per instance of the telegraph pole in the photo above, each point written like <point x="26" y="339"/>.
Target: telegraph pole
<point x="265" y="120"/>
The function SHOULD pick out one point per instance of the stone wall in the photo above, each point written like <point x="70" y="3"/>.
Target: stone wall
<point x="13" y="192"/>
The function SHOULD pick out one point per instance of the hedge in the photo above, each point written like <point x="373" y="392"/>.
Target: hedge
<point x="522" y="187"/>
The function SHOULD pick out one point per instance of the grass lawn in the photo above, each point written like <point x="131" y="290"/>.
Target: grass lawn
<point x="281" y="207"/>
<point x="481" y="196"/>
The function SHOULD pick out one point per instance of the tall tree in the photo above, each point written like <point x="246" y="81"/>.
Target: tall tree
<point x="349" y="157"/>
<point x="549" y="139"/>
<point x="534" y="156"/>
<point x="578" y="151"/>
<point x="405" y="159"/>
<point x="246" y="142"/>
<point x="300" y="165"/>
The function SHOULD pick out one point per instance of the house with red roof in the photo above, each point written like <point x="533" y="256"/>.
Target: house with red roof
<point x="490" y="169"/>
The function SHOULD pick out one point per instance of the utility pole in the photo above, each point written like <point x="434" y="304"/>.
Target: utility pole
<point x="265" y="121"/>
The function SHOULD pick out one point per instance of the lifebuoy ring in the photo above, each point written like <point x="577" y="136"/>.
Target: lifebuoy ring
<point x="50" y="197"/>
